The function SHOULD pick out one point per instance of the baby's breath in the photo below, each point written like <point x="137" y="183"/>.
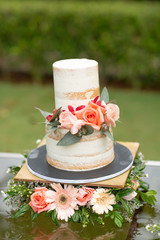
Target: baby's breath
<point x="153" y="228"/>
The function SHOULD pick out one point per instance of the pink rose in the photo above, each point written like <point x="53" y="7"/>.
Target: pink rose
<point x="112" y="114"/>
<point x="39" y="200"/>
<point x="69" y="121"/>
<point x="84" y="195"/>
<point x="92" y="115"/>
<point x="130" y="196"/>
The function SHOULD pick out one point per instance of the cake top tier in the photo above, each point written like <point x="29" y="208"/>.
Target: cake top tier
<point x="75" y="82"/>
<point x="75" y="63"/>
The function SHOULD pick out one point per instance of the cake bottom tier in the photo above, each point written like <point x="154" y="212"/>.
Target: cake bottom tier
<point x="92" y="152"/>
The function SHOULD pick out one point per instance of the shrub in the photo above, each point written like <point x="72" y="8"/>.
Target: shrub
<point x="123" y="37"/>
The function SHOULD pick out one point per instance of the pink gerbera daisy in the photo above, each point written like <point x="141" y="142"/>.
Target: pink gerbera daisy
<point x="64" y="201"/>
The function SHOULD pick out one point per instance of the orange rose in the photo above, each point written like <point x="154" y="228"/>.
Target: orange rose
<point x="39" y="200"/>
<point x="92" y="115"/>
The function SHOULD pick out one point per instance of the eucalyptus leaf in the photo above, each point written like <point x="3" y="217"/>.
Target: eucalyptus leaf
<point x="45" y="114"/>
<point x="89" y="129"/>
<point x="69" y="139"/>
<point x="109" y="134"/>
<point x="54" y="123"/>
<point x="104" y="95"/>
<point x="22" y="211"/>
<point x="56" y="114"/>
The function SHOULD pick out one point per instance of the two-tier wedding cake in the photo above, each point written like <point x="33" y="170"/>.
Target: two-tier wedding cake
<point x="79" y="131"/>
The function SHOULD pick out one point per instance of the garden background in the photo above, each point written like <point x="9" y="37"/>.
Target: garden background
<point x="123" y="36"/>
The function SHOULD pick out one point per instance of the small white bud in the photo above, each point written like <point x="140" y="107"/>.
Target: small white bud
<point x="147" y="227"/>
<point x="3" y="193"/>
<point x="8" y="170"/>
<point x="38" y="141"/>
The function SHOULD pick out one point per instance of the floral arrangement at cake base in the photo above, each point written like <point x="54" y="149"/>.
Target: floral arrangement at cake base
<point x="80" y="203"/>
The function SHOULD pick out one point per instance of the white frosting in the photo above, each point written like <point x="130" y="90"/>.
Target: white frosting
<point x="73" y="76"/>
<point x="76" y="81"/>
<point x="82" y="153"/>
<point x="83" y="148"/>
<point x="74" y="63"/>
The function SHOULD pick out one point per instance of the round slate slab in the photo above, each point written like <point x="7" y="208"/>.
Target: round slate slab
<point x="38" y="166"/>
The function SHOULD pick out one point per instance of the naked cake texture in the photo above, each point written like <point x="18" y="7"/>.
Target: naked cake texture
<point x="76" y="82"/>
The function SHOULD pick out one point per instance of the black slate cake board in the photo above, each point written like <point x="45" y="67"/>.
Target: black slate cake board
<point x="38" y="166"/>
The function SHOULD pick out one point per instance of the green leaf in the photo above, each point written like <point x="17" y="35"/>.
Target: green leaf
<point x="89" y="129"/>
<point x="56" y="115"/>
<point x="118" y="215"/>
<point x="54" y="217"/>
<point x="91" y="219"/>
<point x="45" y="114"/>
<point x="112" y="216"/>
<point x="144" y="185"/>
<point x="76" y="216"/>
<point x="107" y="214"/>
<point x="118" y="222"/>
<point x="126" y="207"/>
<point x="69" y="139"/>
<point x="22" y="211"/>
<point x="125" y="192"/>
<point x="148" y="197"/>
<point x="34" y="215"/>
<point x="104" y="95"/>
<point x="54" y="124"/>
<point x="108" y="133"/>
<point x="117" y="197"/>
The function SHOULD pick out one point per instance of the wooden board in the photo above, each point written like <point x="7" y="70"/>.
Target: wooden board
<point x="116" y="182"/>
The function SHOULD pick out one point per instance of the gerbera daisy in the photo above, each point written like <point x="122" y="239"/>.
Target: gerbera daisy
<point x="64" y="201"/>
<point x="102" y="201"/>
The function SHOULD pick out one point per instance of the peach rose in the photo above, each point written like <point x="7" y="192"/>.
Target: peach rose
<point x="84" y="195"/>
<point x="112" y="114"/>
<point x="39" y="200"/>
<point x="136" y="184"/>
<point x="69" y="121"/>
<point x="92" y="115"/>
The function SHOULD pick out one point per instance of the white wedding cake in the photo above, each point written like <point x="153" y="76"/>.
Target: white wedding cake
<point x="76" y="83"/>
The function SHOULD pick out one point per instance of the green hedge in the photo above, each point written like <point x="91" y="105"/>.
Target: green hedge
<point x="123" y="37"/>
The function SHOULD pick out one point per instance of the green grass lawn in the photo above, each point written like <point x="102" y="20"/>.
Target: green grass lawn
<point x="19" y="128"/>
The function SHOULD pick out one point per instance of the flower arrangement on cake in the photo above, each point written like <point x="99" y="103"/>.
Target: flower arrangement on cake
<point x="81" y="203"/>
<point x="98" y="114"/>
